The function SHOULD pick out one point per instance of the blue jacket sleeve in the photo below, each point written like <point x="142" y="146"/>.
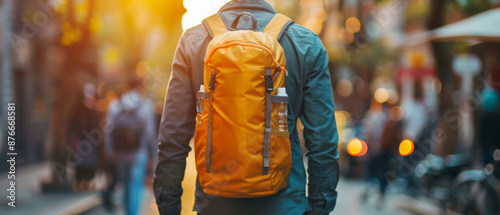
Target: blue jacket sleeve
<point x="320" y="132"/>
<point x="176" y="129"/>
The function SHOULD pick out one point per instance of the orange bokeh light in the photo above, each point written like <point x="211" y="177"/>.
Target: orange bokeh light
<point x="353" y="25"/>
<point x="357" y="147"/>
<point x="365" y="148"/>
<point x="396" y="113"/>
<point x="406" y="147"/>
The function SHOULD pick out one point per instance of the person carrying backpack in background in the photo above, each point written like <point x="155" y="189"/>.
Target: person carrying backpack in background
<point x="130" y="145"/>
<point x="240" y="81"/>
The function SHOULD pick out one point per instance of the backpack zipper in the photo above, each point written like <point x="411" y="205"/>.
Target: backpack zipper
<point x="225" y="45"/>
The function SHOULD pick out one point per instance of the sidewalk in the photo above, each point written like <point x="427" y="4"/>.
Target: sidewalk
<point x="30" y="200"/>
<point x="349" y="202"/>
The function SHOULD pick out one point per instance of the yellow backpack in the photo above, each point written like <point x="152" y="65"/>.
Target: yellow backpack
<point x="240" y="152"/>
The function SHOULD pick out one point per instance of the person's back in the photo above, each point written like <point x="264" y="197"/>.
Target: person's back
<point x="309" y="91"/>
<point x="129" y="146"/>
<point x="130" y="127"/>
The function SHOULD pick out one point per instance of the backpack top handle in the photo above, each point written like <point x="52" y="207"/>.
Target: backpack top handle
<point x="236" y="21"/>
<point x="275" y="28"/>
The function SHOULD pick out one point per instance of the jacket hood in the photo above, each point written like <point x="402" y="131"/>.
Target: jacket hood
<point x="248" y="5"/>
<point x="131" y="99"/>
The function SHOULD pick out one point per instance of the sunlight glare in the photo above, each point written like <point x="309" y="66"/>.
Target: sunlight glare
<point x="197" y="10"/>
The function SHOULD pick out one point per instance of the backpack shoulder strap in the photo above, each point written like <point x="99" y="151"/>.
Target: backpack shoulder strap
<point x="277" y="26"/>
<point x="214" y="25"/>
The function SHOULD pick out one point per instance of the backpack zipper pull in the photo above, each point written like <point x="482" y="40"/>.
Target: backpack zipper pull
<point x="278" y="72"/>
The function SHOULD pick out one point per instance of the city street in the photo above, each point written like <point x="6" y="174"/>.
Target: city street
<point x="348" y="202"/>
<point x="349" y="198"/>
<point x="401" y="94"/>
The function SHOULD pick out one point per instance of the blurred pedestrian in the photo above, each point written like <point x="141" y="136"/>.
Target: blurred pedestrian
<point x="416" y="117"/>
<point x="310" y="97"/>
<point x="130" y="142"/>
<point x="391" y="137"/>
<point x="374" y="128"/>
<point x="417" y="127"/>
<point x="489" y="124"/>
<point x="84" y="118"/>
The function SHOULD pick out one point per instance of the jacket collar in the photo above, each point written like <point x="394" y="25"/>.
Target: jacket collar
<point x="248" y="4"/>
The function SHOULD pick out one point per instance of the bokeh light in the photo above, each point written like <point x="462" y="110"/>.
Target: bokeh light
<point x="364" y="149"/>
<point x="354" y="147"/>
<point x="142" y="68"/>
<point x="357" y="147"/>
<point x="352" y="25"/>
<point x="416" y="59"/>
<point x="496" y="155"/>
<point x="406" y="147"/>
<point x="396" y="113"/>
<point x="381" y="95"/>
<point x="344" y="88"/>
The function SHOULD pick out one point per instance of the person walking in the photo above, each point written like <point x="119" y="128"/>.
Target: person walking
<point x="382" y="134"/>
<point x="130" y="145"/>
<point x="230" y="88"/>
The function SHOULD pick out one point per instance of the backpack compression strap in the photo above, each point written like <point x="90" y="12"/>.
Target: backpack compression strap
<point x="277" y="26"/>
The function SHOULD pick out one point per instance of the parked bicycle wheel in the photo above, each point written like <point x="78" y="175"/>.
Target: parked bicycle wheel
<point x="472" y="196"/>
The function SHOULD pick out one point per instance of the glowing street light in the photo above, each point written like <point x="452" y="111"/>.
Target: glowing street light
<point x="357" y="147"/>
<point x="406" y="147"/>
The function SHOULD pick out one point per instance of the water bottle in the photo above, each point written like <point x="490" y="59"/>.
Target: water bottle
<point x="200" y="102"/>
<point x="282" y="111"/>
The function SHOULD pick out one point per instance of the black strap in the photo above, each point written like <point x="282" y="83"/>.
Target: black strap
<point x="208" y="155"/>
<point x="267" y="131"/>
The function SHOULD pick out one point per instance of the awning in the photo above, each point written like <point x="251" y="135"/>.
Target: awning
<point x="484" y="27"/>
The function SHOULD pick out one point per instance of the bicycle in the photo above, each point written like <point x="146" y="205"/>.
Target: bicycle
<point x="476" y="191"/>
